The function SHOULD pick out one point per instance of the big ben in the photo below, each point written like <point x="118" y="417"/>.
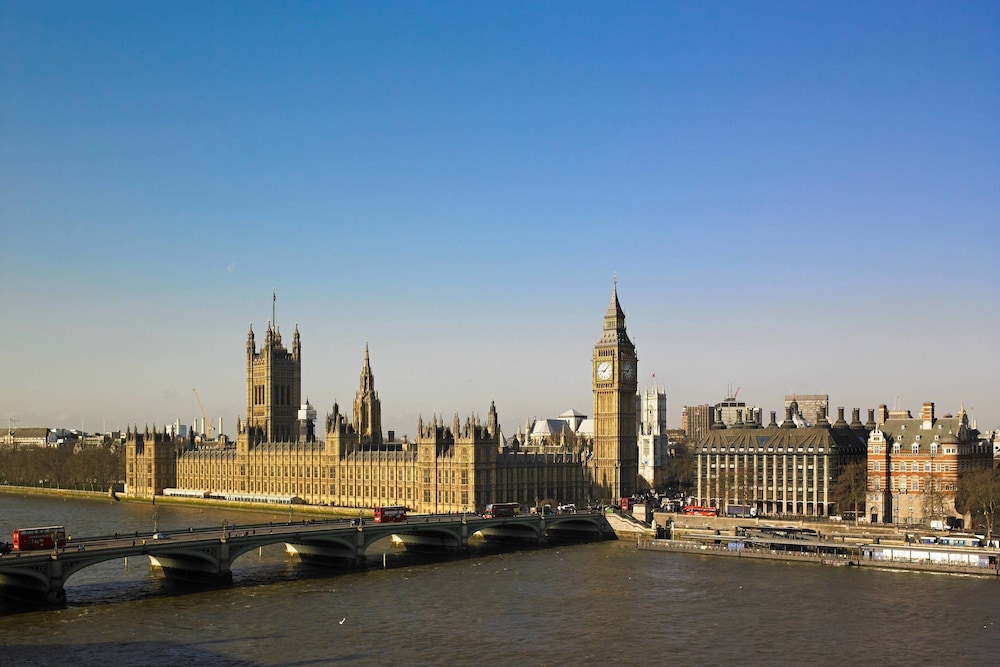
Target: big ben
<point x="615" y="463"/>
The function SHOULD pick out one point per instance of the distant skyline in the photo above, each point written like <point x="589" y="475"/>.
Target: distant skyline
<point x="796" y="197"/>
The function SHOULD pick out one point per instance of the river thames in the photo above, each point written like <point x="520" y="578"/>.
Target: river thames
<point x="587" y="604"/>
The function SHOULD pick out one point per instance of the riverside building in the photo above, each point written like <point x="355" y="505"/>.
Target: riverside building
<point x="780" y="469"/>
<point x="914" y="465"/>
<point x="451" y="466"/>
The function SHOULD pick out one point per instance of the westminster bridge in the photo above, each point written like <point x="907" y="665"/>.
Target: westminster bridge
<point x="206" y="555"/>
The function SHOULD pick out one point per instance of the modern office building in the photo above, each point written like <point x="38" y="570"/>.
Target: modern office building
<point x="806" y="407"/>
<point x="780" y="469"/>
<point x="696" y="420"/>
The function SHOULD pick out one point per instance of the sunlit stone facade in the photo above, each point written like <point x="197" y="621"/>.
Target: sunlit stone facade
<point x="449" y="467"/>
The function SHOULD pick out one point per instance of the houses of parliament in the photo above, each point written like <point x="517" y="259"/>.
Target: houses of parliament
<point x="450" y="467"/>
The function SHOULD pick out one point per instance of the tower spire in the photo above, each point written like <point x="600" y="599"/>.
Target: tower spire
<point x="614" y="318"/>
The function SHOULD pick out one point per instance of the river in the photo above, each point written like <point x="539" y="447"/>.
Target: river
<point x="590" y="604"/>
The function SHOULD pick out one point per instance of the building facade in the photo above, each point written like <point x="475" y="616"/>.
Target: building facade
<point x="14" y="438"/>
<point x="450" y="466"/>
<point x="914" y="465"/>
<point x="780" y="469"/>
<point x="731" y="410"/>
<point x="697" y="420"/>
<point x="651" y="410"/>
<point x="614" y="466"/>
<point x="807" y="407"/>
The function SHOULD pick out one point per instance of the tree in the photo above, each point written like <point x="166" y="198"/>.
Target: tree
<point x="680" y="470"/>
<point x="934" y="505"/>
<point x="851" y="487"/>
<point x="978" y="494"/>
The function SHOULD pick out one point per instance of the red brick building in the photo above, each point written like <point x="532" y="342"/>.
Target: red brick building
<point x="914" y="465"/>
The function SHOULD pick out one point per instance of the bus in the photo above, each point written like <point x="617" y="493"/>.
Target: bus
<point x="699" y="510"/>
<point x="498" y="510"/>
<point x="389" y="513"/>
<point x="36" y="539"/>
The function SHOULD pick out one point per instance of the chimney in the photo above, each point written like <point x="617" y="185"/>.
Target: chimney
<point x="882" y="414"/>
<point x="927" y="415"/>
<point x="773" y="423"/>
<point x="841" y="422"/>
<point x="788" y="423"/>
<point x="821" y="420"/>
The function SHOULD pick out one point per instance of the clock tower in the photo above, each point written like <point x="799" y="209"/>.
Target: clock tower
<point x="615" y="463"/>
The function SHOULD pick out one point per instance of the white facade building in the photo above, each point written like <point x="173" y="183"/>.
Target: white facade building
<point x="651" y="415"/>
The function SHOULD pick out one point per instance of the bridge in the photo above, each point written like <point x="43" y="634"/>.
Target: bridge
<point x="206" y="555"/>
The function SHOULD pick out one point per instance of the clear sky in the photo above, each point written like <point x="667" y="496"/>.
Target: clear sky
<point x="796" y="197"/>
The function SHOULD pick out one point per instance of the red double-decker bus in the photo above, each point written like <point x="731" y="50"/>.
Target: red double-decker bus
<point x="497" y="510"/>
<point x="699" y="510"/>
<point x="35" y="539"/>
<point x="390" y="513"/>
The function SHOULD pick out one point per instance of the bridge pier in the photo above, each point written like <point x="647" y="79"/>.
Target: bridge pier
<point x="39" y="584"/>
<point x="341" y="552"/>
<point x="207" y="565"/>
<point x="55" y="596"/>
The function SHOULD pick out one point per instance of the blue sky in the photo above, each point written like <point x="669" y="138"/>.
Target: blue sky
<point x="796" y="197"/>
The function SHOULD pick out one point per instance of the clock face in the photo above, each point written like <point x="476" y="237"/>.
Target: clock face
<point x="628" y="371"/>
<point x="604" y="370"/>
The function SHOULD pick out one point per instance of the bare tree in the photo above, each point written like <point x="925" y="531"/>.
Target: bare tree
<point x="978" y="494"/>
<point x="851" y="488"/>
<point x="934" y="507"/>
<point x="681" y="469"/>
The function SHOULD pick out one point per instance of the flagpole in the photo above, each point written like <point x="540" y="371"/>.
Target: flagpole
<point x="274" y="301"/>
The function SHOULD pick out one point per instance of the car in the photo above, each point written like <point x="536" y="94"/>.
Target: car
<point x="161" y="536"/>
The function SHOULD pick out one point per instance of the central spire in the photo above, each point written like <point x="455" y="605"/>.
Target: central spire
<point x="614" y="318"/>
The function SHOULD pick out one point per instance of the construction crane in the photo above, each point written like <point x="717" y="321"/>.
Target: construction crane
<point x="204" y="417"/>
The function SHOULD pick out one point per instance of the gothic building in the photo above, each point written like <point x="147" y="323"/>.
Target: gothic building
<point x="367" y="408"/>
<point x="653" y="442"/>
<point x="615" y="464"/>
<point x="449" y="467"/>
<point x="274" y="382"/>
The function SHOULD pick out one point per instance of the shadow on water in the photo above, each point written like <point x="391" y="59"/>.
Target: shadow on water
<point x="151" y="654"/>
<point x="270" y="567"/>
